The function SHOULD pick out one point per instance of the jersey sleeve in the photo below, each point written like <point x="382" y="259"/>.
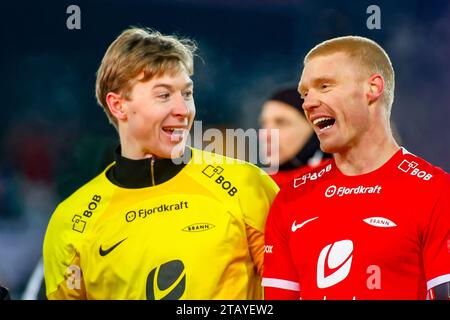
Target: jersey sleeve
<point x="280" y="280"/>
<point x="436" y="239"/>
<point x="255" y="239"/>
<point x="258" y="192"/>
<point x="62" y="271"/>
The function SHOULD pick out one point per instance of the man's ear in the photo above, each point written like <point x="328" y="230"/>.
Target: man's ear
<point x="376" y="87"/>
<point x="116" y="105"/>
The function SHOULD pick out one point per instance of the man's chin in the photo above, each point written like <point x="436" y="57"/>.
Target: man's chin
<point x="328" y="147"/>
<point x="176" y="152"/>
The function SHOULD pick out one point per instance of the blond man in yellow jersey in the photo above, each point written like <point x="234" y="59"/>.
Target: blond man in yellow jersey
<point x="150" y="227"/>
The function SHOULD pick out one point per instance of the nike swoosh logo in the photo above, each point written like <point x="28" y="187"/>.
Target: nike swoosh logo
<point x="298" y="226"/>
<point x="107" y="251"/>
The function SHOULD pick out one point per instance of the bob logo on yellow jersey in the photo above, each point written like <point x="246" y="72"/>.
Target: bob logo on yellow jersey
<point x="167" y="281"/>
<point x="199" y="227"/>
<point x="78" y="223"/>
<point x="215" y="173"/>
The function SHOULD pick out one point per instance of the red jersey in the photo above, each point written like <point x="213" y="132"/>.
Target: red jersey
<point x="380" y="235"/>
<point x="286" y="176"/>
<point x="282" y="177"/>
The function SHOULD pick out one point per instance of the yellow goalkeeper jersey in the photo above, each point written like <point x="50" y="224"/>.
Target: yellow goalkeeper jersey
<point x="197" y="235"/>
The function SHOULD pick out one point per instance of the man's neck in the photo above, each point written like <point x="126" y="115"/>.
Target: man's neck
<point x="366" y="157"/>
<point x="135" y="153"/>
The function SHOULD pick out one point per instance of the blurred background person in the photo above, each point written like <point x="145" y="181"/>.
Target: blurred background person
<point x="27" y="194"/>
<point x="298" y="146"/>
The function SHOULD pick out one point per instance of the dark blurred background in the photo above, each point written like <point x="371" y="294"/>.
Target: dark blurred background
<point x="54" y="137"/>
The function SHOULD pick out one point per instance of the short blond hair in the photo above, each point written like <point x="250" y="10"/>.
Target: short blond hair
<point x="368" y="53"/>
<point x="136" y="51"/>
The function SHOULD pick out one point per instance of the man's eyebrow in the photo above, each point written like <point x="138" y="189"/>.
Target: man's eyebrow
<point x="168" y="86"/>
<point x="322" y="79"/>
<point x="316" y="81"/>
<point x="301" y="88"/>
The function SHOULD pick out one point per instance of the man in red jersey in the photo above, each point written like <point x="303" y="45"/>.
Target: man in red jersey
<point x="374" y="222"/>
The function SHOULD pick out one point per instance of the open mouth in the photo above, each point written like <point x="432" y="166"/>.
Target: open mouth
<point x="324" y="123"/>
<point x="176" y="134"/>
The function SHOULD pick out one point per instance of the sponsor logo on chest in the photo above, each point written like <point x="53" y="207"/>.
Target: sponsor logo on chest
<point x="198" y="227"/>
<point x="380" y="222"/>
<point x="162" y="208"/>
<point x="333" y="190"/>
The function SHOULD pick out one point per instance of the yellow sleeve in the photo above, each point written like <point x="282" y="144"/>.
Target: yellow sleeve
<point x="258" y="192"/>
<point x="256" y="199"/>
<point x="255" y="240"/>
<point x="62" y="271"/>
<point x="72" y="287"/>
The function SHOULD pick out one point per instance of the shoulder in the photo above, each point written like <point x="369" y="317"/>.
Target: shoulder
<point x="306" y="181"/>
<point x="288" y="176"/>
<point x="311" y="176"/>
<point x="75" y="211"/>
<point x="420" y="171"/>
<point x="215" y="165"/>
<point x="86" y="192"/>
<point x="250" y="188"/>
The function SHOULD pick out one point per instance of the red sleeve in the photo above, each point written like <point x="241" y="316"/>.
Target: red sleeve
<point x="280" y="279"/>
<point x="436" y="239"/>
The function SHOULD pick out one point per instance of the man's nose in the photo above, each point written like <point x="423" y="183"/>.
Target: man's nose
<point x="310" y="102"/>
<point x="181" y="107"/>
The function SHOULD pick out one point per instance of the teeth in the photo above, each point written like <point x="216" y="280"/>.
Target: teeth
<point x="327" y="127"/>
<point x="318" y="120"/>
<point x="174" y="130"/>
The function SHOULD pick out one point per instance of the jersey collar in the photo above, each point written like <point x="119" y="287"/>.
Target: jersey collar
<point x="305" y="154"/>
<point x="128" y="173"/>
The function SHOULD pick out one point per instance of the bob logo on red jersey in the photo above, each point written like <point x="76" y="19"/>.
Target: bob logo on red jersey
<point x="311" y="176"/>
<point x="411" y="168"/>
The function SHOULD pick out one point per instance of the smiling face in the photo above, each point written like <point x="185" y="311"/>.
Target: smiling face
<point x="158" y="116"/>
<point x="334" y="91"/>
